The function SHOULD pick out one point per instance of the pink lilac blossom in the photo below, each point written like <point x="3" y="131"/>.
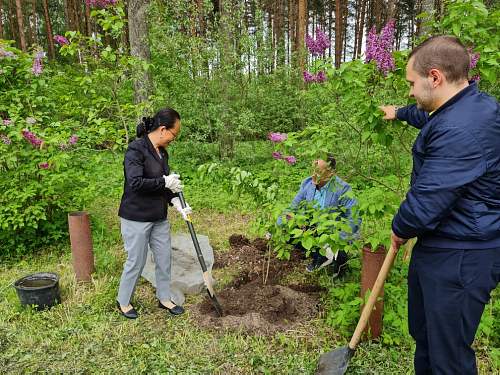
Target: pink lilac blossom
<point x="37" y="68"/>
<point x="317" y="46"/>
<point x="32" y="138"/>
<point x="321" y="77"/>
<point x="277" y="137"/>
<point x="73" y="139"/>
<point x="6" y="140"/>
<point x="61" y="40"/>
<point x="277" y="155"/>
<point x="290" y="159"/>
<point x="476" y="78"/>
<point x="379" y="47"/>
<point x="101" y="3"/>
<point x="7" y="121"/>
<point x="43" y="165"/>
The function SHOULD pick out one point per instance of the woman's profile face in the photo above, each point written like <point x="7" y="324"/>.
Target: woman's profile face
<point x="169" y="135"/>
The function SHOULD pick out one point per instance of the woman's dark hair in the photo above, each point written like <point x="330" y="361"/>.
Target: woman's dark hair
<point x="166" y="117"/>
<point x="330" y="159"/>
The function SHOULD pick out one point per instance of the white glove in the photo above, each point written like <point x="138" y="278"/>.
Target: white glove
<point x="185" y="212"/>
<point x="330" y="256"/>
<point x="268" y="236"/>
<point x="173" y="183"/>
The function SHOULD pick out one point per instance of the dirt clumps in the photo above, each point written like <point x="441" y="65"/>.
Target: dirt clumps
<point x="256" y="301"/>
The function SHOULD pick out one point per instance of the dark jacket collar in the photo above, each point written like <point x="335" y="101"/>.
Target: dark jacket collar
<point x="151" y="149"/>
<point x="469" y="90"/>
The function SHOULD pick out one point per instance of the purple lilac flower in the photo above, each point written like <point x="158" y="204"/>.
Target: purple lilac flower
<point x="73" y="139"/>
<point x="31" y="120"/>
<point x="290" y="159"/>
<point x="7" y="121"/>
<point x="476" y="78"/>
<point x="6" y="140"/>
<point x="277" y="155"/>
<point x="61" y="40"/>
<point x="379" y="47"/>
<point x="317" y="46"/>
<point x="43" y="165"/>
<point x="4" y="54"/>
<point x="321" y="77"/>
<point x="37" y="68"/>
<point x="309" y="77"/>
<point x="277" y="137"/>
<point x="474" y="58"/>
<point x="32" y="138"/>
<point x="101" y="3"/>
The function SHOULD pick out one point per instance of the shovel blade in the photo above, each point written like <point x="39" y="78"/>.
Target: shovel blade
<point x="215" y="303"/>
<point x="334" y="362"/>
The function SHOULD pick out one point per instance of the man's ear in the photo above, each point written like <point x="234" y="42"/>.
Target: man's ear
<point x="436" y="77"/>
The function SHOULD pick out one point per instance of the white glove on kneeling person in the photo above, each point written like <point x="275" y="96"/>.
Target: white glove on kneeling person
<point x="185" y="212"/>
<point x="173" y="183"/>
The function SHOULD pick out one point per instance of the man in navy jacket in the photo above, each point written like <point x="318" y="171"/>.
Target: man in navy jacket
<point x="452" y="207"/>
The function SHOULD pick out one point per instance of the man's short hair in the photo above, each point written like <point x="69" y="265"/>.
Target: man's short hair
<point x="442" y="52"/>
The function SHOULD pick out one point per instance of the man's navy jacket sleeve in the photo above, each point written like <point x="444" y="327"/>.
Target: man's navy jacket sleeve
<point x="452" y="159"/>
<point x="413" y="116"/>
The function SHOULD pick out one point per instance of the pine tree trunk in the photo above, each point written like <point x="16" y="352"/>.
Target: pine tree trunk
<point x="20" y="25"/>
<point x="338" y="33"/>
<point x="301" y="33"/>
<point x="88" y="27"/>
<point x="48" y="27"/>
<point x="139" y="46"/>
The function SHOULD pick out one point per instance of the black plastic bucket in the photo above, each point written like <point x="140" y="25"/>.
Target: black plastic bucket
<point x="39" y="289"/>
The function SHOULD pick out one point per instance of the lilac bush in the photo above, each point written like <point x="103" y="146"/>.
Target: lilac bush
<point x="379" y="47"/>
<point x="277" y="155"/>
<point x="6" y="140"/>
<point x="101" y="3"/>
<point x="318" y="46"/>
<point x="37" y="68"/>
<point x="32" y="138"/>
<point x="277" y="137"/>
<point x="61" y="40"/>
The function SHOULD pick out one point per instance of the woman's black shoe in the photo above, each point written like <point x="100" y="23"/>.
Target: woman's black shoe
<point x="131" y="314"/>
<point x="176" y="310"/>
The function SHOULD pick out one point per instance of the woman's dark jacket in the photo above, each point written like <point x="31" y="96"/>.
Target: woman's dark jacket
<point x="145" y="197"/>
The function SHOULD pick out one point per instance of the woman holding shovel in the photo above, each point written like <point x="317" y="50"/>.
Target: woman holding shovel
<point x="148" y="190"/>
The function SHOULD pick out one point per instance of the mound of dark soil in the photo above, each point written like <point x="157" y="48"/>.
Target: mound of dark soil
<point x="256" y="301"/>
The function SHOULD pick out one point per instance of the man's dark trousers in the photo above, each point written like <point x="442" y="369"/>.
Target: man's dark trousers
<point x="447" y="292"/>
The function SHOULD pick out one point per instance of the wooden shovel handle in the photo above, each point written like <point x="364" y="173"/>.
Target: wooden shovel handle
<point x="375" y="292"/>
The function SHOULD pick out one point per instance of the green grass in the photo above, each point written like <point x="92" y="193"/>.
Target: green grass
<point x="86" y="335"/>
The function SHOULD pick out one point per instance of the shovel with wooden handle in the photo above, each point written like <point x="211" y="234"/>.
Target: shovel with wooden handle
<point x="336" y="361"/>
<point x="207" y="276"/>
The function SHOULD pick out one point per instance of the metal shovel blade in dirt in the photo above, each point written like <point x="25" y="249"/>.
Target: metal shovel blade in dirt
<point x="336" y="361"/>
<point x="207" y="277"/>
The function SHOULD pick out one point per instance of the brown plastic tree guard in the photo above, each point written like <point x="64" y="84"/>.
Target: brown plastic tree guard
<point x="371" y="265"/>
<point x="81" y="245"/>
